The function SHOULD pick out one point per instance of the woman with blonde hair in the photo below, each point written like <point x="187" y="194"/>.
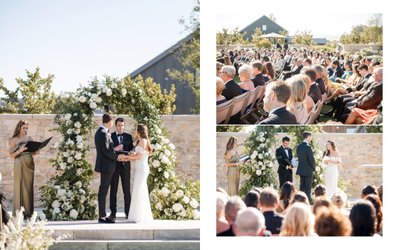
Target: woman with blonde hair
<point x="308" y="100"/>
<point x="246" y="84"/>
<point x="24" y="168"/>
<point x="296" y="103"/>
<point x="220" y="88"/>
<point x="232" y="158"/>
<point x="298" y="221"/>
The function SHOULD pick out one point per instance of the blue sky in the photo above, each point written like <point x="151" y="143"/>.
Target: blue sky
<point x="76" y="40"/>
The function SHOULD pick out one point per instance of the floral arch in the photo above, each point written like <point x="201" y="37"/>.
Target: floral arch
<point x="67" y="195"/>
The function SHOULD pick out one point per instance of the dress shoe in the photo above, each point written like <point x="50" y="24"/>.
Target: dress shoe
<point x="328" y="113"/>
<point x="112" y="216"/>
<point x="106" y="220"/>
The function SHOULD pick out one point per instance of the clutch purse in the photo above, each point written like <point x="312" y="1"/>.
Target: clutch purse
<point x="295" y="162"/>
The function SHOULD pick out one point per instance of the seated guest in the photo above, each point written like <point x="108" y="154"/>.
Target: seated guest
<point x="339" y="199"/>
<point x="306" y="62"/>
<point x="296" y="103"/>
<point x="320" y="202"/>
<point x="231" y="89"/>
<point x="369" y="189"/>
<point x="258" y="79"/>
<point x="320" y="82"/>
<point x="252" y="199"/>
<point x="315" y="92"/>
<point x="287" y="193"/>
<point x="233" y="205"/>
<point x="308" y="100"/>
<point x="276" y="96"/>
<point x="337" y="70"/>
<point x="301" y="197"/>
<point x="331" y="222"/>
<point x="363" y="218"/>
<point x="268" y="204"/>
<point x="347" y="73"/>
<point x="373" y="96"/>
<point x="374" y="199"/>
<point x="220" y="88"/>
<point x="296" y="69"/>
<point x="222" y="223"/>
<point x="249" y="222"/>
<point x="268" y="72"/>
<point x="319" y="190"/>
<point x="361" y="116"/>
<point x="219" y="67"/>
<point x="245" y="72"/>
<point x="380" y="193"/>
<point x="298" y="221"/>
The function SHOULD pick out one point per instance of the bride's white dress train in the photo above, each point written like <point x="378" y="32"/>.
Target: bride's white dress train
<point x="140" y="209"/>
<point x="331" y="175"/>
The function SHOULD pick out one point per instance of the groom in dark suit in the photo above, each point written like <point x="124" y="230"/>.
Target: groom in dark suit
<point x="306" y="164"/>
<point x="106" y="160"/>
<point x="284" y="157"/>
<point x="122" y="141"/>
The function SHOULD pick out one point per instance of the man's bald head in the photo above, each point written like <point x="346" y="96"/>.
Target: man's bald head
<point x="249" y="222"/>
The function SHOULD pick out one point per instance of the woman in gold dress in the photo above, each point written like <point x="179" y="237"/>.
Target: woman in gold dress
<point x="232" y="161"/>
<point x="24" y="168"/>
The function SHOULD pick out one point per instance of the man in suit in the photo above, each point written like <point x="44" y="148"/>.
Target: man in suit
<point x="297" y="67"/>
<point x="250" y="222"/>
<point x="231" y="89"/>
<point x="258" y="79"/>
<point x="122" y="141"/>
<point x="269" y="200"/>
<point x="306" y="164"/>
<point x="314" y="92"/>
<point x="320" y="82"/>
<point x="284" y="157"/>
<point x="105" y="164"/>
<point x="276" y="96"/>
<point x="233" y="205"/>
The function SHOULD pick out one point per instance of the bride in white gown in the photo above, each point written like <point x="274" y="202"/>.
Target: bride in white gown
<point x="331" y="160"/>
<point x="140" y="209"/>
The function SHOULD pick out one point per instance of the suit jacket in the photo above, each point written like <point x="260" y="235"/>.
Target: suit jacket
<point x="127" y="146"/>
<point x="338" y="72"/>
<point x="283" y="159"/>
<point x="280" y="116"/>
<point x="296" y="70"/>
<point x="231" y="90"/>
<point x="306" y="160"/>
<point x="273" y="222"/>
<point x="315" y="93"/>
<point x="372" y="98"/>
<point x="363" y="81"/>
<point x="228" y="232"/>
<point x="105" y="155"/>
<point x="321" y="85"/>
<point x="258" y="80"/>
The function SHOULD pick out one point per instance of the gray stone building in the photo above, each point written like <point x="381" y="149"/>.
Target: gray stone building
<point x="157" y="69"/>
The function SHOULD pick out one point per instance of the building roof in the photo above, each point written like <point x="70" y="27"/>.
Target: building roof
<point x="165" y="53"/>
<point x="259" y="19"/>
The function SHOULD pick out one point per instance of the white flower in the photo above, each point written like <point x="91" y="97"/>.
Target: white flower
<point x="171" y="146"/>
<point x="194" y="203"/>
<point x="253" y="155"/>
<point x="79" y="138"/>
<point x="73" y="214"/>
<point x="56" y="210"/>
<point x="56" y="144"/>
<point x="79" y="171"/>
<point x="93" y="105"/>
<point x="159" y="169"/>
<point x="69" y="131"/>
<point x="165" y="160"/>
<point x="258" y="172"/>
<point x="158" y="131"/>
<point x="165" y="191"/>
<point x="114" y="85"/>
<point x="82" y="191"/>
<point x="42" y="216"/>
<point x="183" y="213"/>
<point x="82" y="99"/>
<point x="77" y="131"/>
<point x="123" y="92"/>
<point x="186" y="199"/>
<point x="78" y="156"/>
<point x="63" y="165"/>
<point x="196" y="214"/>
<point x="79" y="145"/>
<point x="68" y="116"/>
<point x="165" y="141"/>
<point x="156" y="163"/>
<point x="57" y="187"/>
<point x="61" y="192"/>
<point x="179" y="193"/>
<point x="70" y="159"/>
<point x="159" y="206"/>
<point x="167" y="152"/>
<point x="260" y="156"/>
<point x="77" y="125"/>
<point x="55" y="204"/>
<point x="83" y="199"/>
<point x="108" y="92"/>
<point x="157" y="147"/>
<point x="166" y="175"/>
<point x="263" y="167"/>
<point x="177" y="207"/>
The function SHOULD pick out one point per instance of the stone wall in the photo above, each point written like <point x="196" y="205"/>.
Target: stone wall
<point x="184" y="132"/>
<point x="361" y="158"/>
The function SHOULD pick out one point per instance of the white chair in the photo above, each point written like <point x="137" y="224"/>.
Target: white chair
<point x="224" y="111"/>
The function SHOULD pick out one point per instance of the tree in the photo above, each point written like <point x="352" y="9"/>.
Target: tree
<point x="230" y="128"/>
<point x="365" y="34"/>
<point x="233" y="37"/>
<point x="37" y="96"/>
<point x="304" y="37"/>
<point x="189" y="57"/>
<point x="272" y="17"/>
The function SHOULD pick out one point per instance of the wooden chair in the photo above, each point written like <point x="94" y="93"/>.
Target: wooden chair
<point x="224" y="111"/>
<point x="313" y="113"/>
<point x="239" y="104"/>
<point x="251" y="103"/>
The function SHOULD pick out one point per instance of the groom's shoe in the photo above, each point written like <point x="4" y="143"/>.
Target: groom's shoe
<point x="112" y="216"/>
<point x="110" y="220"/>
<point x="106" y="220"/>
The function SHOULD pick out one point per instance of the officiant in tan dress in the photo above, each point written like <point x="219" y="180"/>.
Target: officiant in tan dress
<point x="24" y="168"/>
<point x="232" y="161"/>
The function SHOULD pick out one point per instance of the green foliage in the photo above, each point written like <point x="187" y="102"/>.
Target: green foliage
<point x="263" y="43"/>
<point x="258" y="169"/>
<point x="260" y="42"/>
<point x="37" y="96"/>
<point x="229" y="128"/>
<point x="189" y="57"/>
<point x="67" y="196"/>
<point x="256" y="35"/>
<point x="234" y="37"/>
<point x="304" y="37"/>
<point x="374" y="129"/>
<point x="365" y="34"/>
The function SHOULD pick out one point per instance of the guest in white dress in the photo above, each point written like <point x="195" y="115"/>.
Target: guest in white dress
<point x="332" y="160"/>
<point x="140" y="209"/>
